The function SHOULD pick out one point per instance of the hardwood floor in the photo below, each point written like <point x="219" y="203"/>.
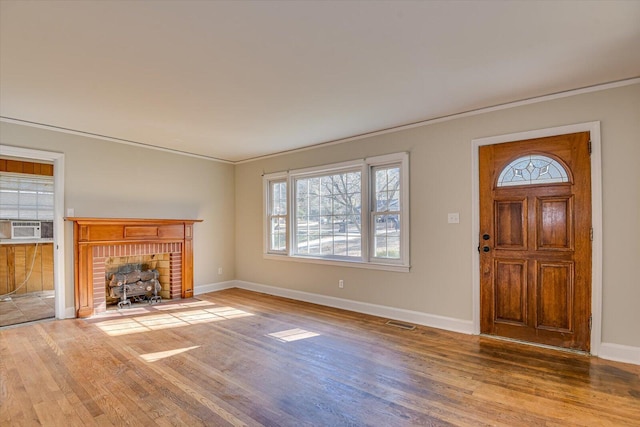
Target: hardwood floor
<point x="241" y="358"/>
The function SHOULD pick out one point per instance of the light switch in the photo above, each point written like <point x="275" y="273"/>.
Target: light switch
<point x="453" y="218"/>
<point x="71" y="212"/>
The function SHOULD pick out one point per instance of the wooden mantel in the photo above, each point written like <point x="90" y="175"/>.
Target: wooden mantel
<point x="91" y="232"/>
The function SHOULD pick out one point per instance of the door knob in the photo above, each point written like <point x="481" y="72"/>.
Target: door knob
<point x="485" y="237"/>
<point x="485" y="249"/>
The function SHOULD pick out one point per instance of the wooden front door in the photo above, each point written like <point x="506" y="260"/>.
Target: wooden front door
<point x="535" y="240"/>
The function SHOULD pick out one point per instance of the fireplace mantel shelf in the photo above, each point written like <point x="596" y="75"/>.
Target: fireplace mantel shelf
<point x="127" y="220"/>
<point x="90" y="233"/>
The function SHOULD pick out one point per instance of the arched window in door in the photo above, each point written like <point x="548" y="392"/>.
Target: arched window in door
<point x="532" y="169"/>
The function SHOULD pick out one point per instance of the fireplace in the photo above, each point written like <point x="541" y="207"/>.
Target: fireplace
<point x="167" y="244"/>
<point x="142" y="276"/>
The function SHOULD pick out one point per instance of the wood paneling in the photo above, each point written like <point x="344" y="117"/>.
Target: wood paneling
<point x="216" y="362"/>
<point x="15" y="264"/>
<point x="17" y="166"/>
<point x="137" y="232"/>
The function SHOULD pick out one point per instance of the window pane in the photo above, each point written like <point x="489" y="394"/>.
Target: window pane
<point x="25" y="196"/>
<point x="278" y="198"/>
<point x="387" y="189"/>
<point x="387" y="236"/>
<point x="278" y="234"/>
<point x="328" y="212"/>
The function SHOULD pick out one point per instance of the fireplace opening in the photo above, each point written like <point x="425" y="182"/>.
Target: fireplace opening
<point x="137" y="279"/>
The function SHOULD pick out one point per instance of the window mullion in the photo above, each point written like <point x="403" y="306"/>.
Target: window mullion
<point x="292" y="213"/>
<point x="365" y="206"/>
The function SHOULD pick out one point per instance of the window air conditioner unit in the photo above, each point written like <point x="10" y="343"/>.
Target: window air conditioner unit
<point x="25" y="229"/>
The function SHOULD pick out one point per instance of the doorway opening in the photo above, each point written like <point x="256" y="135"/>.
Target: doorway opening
<point x="32" y="236"/>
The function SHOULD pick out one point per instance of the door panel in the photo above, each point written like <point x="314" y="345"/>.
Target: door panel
<point x="555" y="296"/>
<point x="511" y="224"/>
<point x="511" y="291"/>
<point x="555" y="225"/>
<point x="535" y="258"/>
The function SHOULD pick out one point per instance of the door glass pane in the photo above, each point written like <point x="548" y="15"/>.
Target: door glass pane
<point x="532" y="169"/>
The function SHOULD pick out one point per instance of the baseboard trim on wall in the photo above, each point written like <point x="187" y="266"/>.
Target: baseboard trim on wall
<point x="431" y="320"/>
<point x="212" y="287"/>
<point x="69" y="313"/>
<point x="620" y="353"/>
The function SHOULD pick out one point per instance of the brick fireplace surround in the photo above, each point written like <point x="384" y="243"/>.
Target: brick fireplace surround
<point x="96" y="239"/>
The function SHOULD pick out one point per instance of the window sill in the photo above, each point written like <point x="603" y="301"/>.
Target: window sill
<point x="353" y="264"/>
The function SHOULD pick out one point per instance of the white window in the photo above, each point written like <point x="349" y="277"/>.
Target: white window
<point x="354" y="212"/>
<point x="25" y="196"/>
<point x="277" y="216"/>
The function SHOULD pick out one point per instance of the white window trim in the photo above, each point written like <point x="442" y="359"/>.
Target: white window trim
<point x="366" y="261"/>
<point x="266" y="189"/>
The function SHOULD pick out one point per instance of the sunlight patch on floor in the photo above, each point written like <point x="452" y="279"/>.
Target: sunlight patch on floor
<point x="166" y="320"/>
<point x="152" y="357"/>
<point x="292" y="335"/>
<point x="183" y="305"/>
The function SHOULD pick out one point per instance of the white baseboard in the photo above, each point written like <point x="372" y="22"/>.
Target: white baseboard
<point x="431" y="320"/>
<point x="69" y="313"/>
<point x="212" y="287"/>
<point x="620" y="353"/>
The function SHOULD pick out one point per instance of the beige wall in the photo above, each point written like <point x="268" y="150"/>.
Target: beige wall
<point x="107" y="179"/>
<point x="440" y="281"/>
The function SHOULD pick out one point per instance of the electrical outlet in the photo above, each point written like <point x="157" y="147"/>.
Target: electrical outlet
<point x="341" y="283"/>
<point x="71" y="212"/>
<point x="219" y="270"/>
<point x="453" y="218"/>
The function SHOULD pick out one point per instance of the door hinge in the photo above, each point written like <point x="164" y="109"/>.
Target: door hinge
<point x="590" y="321"/>
<point x="591" y="234"/>
<point x="589" y="146"/>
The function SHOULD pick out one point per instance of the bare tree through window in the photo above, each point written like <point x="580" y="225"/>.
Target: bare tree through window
<point x="328" y="214"/>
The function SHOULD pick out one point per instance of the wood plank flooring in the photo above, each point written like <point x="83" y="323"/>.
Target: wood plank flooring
<point x="241" y="358"/>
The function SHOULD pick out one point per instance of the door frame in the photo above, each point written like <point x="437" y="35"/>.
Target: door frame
<point x="596" y="217"/>
<point x="58" y="218"/>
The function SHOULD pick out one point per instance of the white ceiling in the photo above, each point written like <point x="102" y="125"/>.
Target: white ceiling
<point x="237" y="80"/>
